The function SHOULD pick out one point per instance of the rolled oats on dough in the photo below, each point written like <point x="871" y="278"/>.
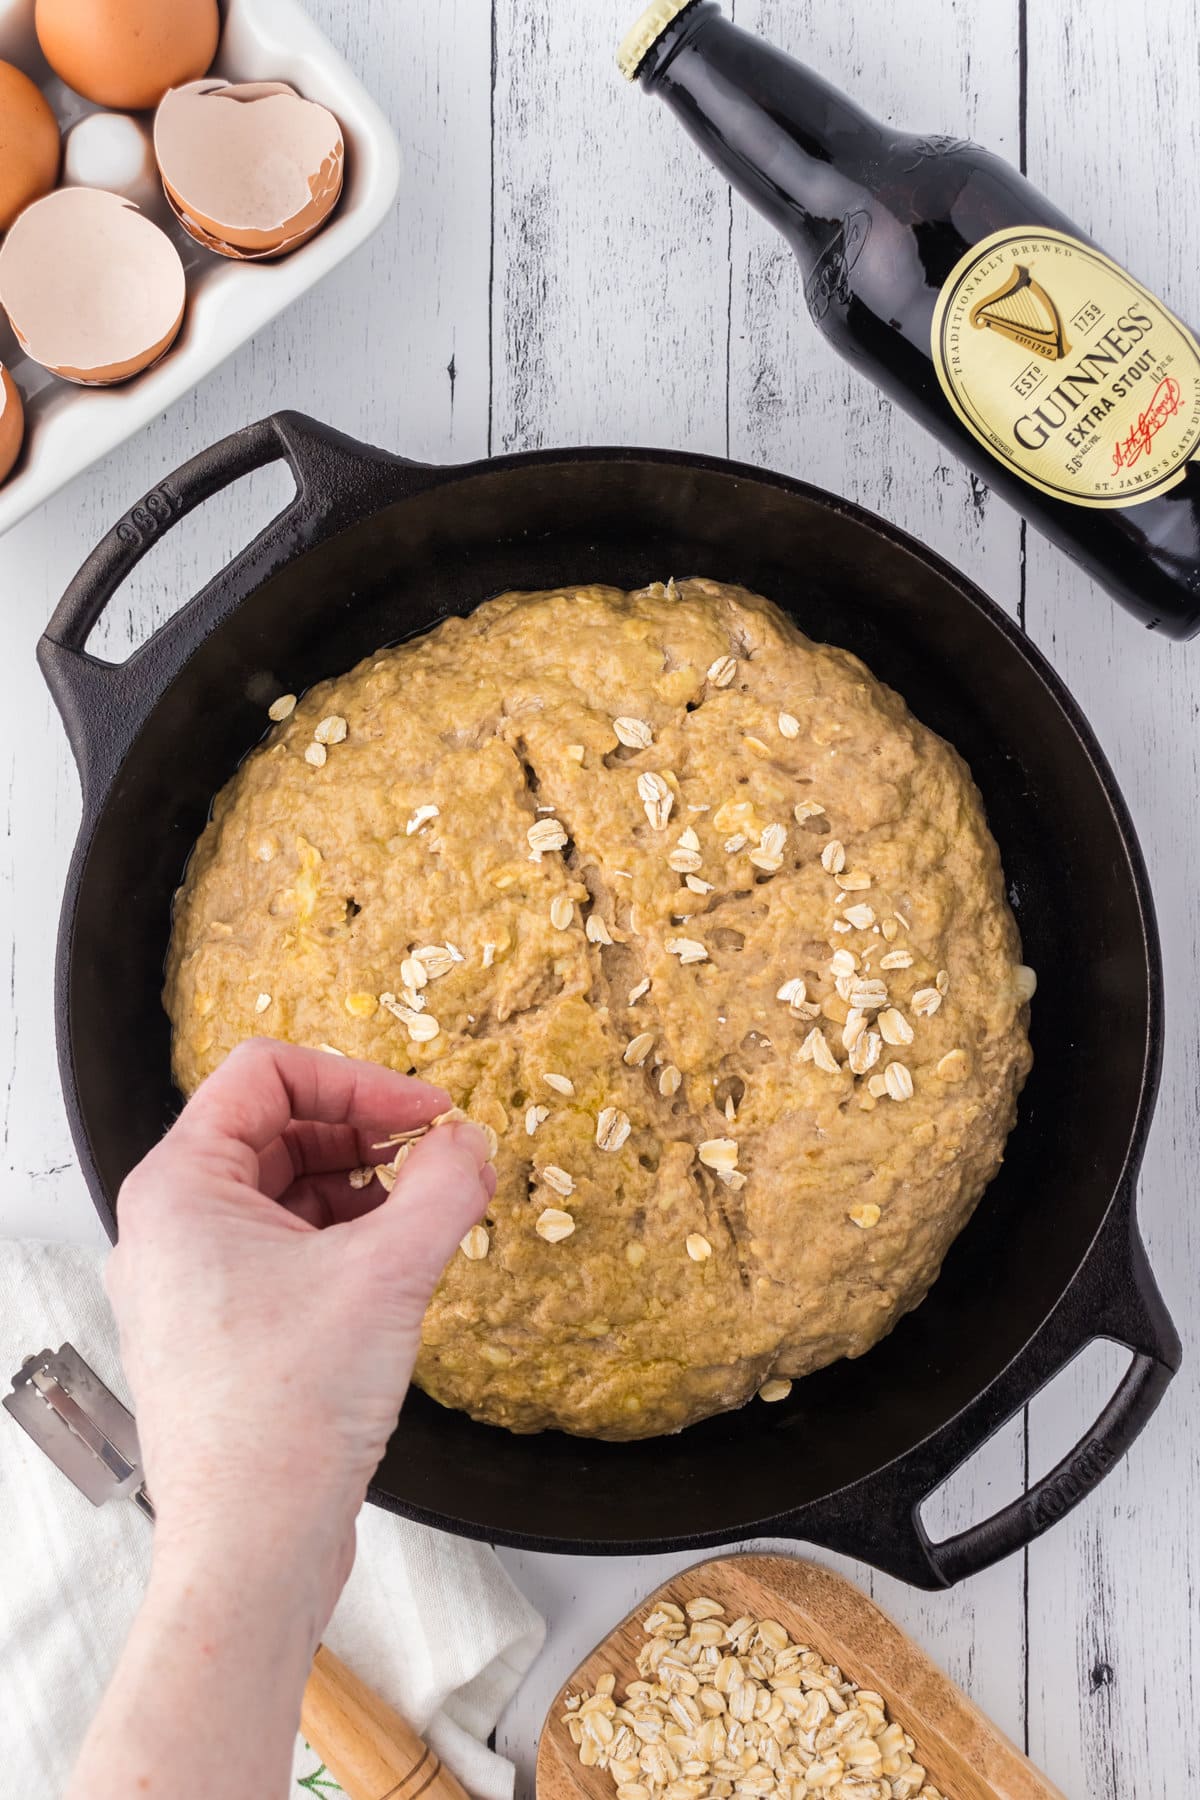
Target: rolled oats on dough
<point x="698" y="919"/>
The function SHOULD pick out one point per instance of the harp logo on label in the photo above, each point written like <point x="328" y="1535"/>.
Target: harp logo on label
<point x="1067" y="369"/>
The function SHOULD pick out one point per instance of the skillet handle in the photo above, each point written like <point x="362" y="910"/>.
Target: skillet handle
<point x="1114" y="1295"/>
<point x="338" y="481"/>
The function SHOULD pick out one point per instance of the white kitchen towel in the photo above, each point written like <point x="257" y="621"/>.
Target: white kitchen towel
<point x="431" y="1622"/>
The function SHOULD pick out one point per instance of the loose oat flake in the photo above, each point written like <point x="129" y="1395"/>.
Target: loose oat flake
<point x="718" y="1153"/>
<point x="816" y="1050"/>
<point x="833" y="857"/>
<point x="413" y="972"/>
<point x="558" y="1181"/>
<point x="898" y="1081"/>
<point x="722" y="672"/>
<point x="698" y="1247"/>
<point x="544" y="835"/>
<point x="688" y="950"/>
<point x="685" y="862"/>
<point x="789" y="725"/>
<point x="770" y="1391"/>
<point x="316" y="755"/>
<point x="476" y="1244"/>
<point x="554" y="1225"/>
<point x="561" y="1084"/>
<point x="283" y="708"/>
<point x="656" y="798"/>
<point x="331" y="730"/>
<point x="612" y="1128"/>
<point x="868" y="994"/>
<point x="865" y="1052"/>
<point x="635" y="734"/>
<point x="438" y="959"/>
<point x="535" y="1116"/>
<point x="597" y="931"/>
<point x="421" y="817"/>
<point x="894" y="1028"/>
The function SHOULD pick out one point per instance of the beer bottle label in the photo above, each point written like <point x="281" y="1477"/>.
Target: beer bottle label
<point x="1066" y="369"/>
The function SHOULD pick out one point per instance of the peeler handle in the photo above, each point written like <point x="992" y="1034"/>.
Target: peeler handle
<point x="364" y="1744"/>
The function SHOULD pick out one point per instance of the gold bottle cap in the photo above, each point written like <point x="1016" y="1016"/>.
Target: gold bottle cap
<point x="643" y="36"/>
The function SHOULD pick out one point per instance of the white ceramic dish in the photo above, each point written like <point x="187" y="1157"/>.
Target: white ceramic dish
<point x="70" y="427"/>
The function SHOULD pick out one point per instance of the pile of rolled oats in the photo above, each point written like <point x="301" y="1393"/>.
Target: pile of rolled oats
<point x="722" y="1709"/>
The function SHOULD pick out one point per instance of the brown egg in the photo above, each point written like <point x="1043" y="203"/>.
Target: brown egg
<point x="12" y="423"/>
<point x="30" y="147"/>
<point x="127" y="53"/>
<point x="93" y="290"/>
<point x="250" y="169"/>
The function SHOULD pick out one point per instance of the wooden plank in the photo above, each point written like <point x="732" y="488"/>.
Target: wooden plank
<point x="1113" y="1622"/>
<point x="960" y="1749"/>
<point x="672" y="204"/>
<point x="610" y="290"/>
<point x="796" y="405"/>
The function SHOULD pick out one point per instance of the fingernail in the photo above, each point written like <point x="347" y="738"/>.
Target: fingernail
<point x="472" y="1137"/>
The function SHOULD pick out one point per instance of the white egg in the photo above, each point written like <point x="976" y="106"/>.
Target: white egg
<point x="111" y="151"/>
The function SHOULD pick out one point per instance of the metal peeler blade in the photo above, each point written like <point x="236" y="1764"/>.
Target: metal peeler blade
<point x="81" y="1425"/>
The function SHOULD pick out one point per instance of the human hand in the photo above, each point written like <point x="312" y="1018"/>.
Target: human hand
<point x="270" y="1313"/>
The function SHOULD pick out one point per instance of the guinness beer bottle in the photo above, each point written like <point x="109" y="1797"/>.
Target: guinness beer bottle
<point x="941" y="273"/>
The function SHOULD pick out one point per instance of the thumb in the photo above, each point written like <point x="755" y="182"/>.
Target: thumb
<point x="443" y="1188"/>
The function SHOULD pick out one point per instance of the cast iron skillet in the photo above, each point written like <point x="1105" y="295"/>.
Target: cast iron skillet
<point x="373" y="549"/>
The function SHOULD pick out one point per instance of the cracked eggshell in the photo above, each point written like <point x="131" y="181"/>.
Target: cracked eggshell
<point x="251" y="169"/>
<point x="18" y="39"/>
<point x="127" y="53"/>
<point x="12" y="423"/>
<point x="30" y="146"/>
<point x="94" y="291"/>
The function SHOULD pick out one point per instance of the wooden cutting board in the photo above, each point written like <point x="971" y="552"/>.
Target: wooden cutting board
<point x="965" y="1755"/>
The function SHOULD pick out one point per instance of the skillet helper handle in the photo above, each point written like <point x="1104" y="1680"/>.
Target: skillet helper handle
<point x="1114" y="1296"/>
<point x="366" y="1745"/>
<point x="102" y="704"/>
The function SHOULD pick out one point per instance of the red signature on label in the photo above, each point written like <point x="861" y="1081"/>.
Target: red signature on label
<point x="1163" y="402"/>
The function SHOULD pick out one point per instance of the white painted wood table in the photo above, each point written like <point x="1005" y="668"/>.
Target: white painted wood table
<point x="563" y="268"/>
